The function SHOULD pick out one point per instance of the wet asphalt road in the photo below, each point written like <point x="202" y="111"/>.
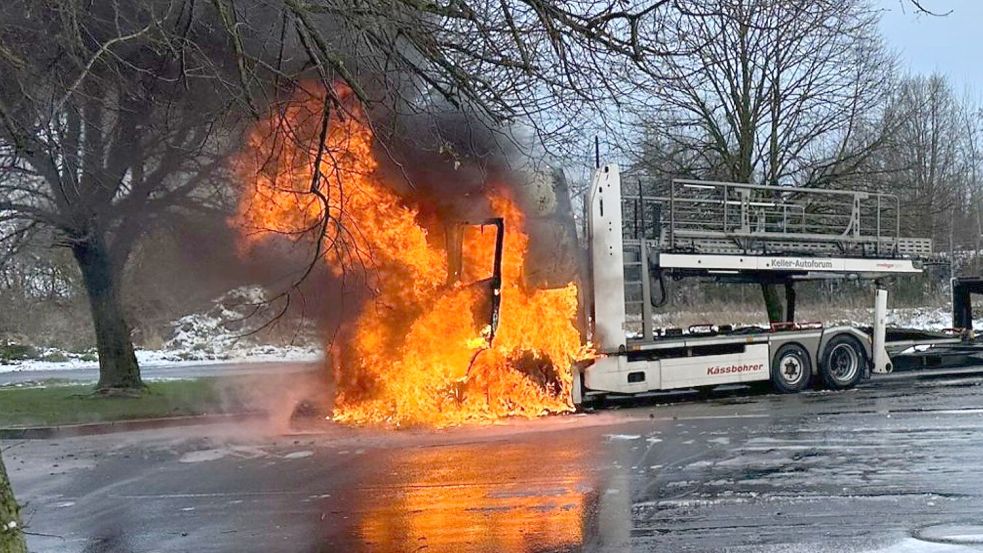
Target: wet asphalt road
<point x="893" y="466"/>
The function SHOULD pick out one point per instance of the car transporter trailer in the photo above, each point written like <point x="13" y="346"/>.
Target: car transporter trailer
<point x="745" y="233"/>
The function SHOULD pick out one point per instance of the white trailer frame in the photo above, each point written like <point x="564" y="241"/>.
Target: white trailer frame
<point x="635" y="365"/>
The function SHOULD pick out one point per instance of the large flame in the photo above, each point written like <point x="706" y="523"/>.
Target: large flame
<point x="417" y="353"/>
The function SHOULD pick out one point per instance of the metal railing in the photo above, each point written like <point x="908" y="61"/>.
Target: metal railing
<point x="724" y="217"/>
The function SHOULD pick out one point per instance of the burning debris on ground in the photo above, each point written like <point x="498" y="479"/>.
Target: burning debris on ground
<point x="423" y="347"/>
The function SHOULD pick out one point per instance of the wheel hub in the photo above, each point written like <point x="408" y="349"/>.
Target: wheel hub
<point x="843" y="362"/>
<point x="791" y="368"/>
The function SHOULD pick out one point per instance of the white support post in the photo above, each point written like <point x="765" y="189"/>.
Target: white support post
<point x="882" y="363"/>
<point x="607" y="260"/>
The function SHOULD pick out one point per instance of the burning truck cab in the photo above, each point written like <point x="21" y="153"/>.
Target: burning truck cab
<point x="437" y="338"/>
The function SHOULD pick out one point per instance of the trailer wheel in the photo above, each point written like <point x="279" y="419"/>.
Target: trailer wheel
<point x="843" y="361"/>
<point x="791" y="369"/>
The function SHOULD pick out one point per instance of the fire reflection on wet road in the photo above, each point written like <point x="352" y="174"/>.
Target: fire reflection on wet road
<point x="494" y="497"/>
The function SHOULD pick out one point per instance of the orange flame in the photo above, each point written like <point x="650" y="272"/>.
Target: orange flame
<point x="417" y="353"/>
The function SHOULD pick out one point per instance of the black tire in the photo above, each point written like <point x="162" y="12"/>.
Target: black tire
<point x="842" y="363"/>
<point x="791" y="369"/>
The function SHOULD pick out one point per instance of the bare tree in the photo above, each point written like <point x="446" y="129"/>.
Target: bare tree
<point x="110" y="119"/>
<point x="11" y="536"/>
<point x="774" y="92"/>
<point x="973" y="153"/>
<point x="930" y="159"/>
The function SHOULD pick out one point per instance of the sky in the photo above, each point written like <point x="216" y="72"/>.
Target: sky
<point x="951" y="45"/>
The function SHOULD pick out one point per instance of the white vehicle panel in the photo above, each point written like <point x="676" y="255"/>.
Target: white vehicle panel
<point x="838" y="265"/>
<point x="610" y="373"/>
<point x="711" y="370"/>
<point x="607" y="260"/>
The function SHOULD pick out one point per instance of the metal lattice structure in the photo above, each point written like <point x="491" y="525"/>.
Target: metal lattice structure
<point x="733" y="218"/>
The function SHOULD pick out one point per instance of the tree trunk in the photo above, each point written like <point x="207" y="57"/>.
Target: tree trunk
<point x="118" y="367"/>
<point x="773" y="302"/>
<point x="11" y="537"/>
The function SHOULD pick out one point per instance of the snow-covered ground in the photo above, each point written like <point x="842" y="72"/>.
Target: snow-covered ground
<point x="225" y="333"/>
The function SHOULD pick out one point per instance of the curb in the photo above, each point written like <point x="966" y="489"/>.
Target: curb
<point x="94" y="428"/>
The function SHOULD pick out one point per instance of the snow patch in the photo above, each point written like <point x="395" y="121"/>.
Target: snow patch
<point x="622" y="436"/>
<point x="298" y="455"/>
<point x="912" y="545"/>
<point x="203" y="455"/>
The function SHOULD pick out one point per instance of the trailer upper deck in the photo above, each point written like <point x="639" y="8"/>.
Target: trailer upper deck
<point x="704" y="217"/>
